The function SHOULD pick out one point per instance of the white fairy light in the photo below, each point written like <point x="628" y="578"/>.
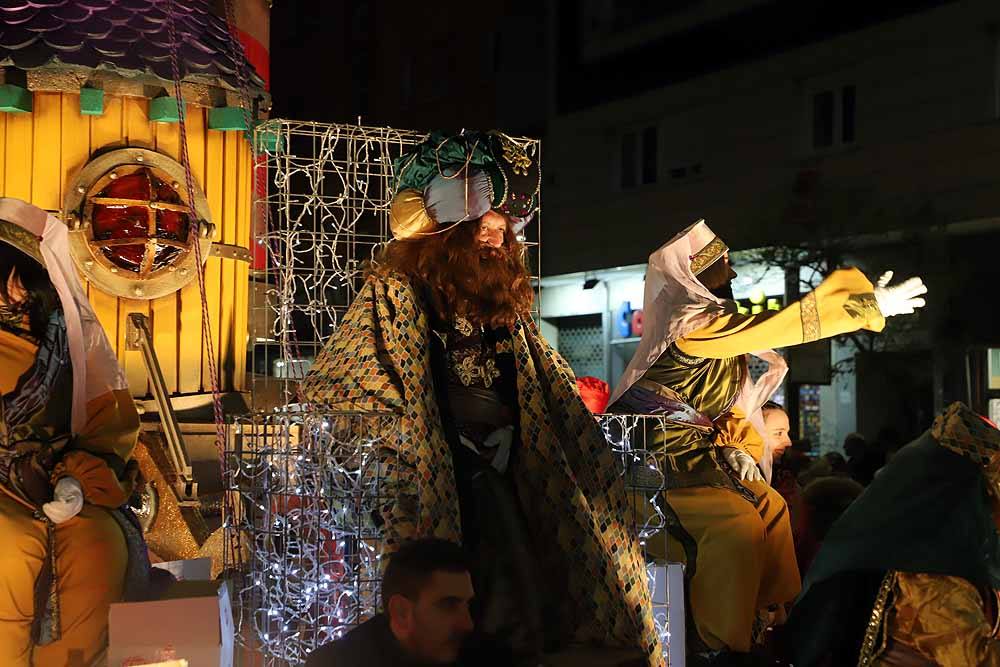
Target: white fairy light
<point x="311" y="494"/>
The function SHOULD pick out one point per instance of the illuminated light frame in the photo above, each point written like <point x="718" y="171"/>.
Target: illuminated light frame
<point x="89" y="259"/>
<point x="305" y="548"/>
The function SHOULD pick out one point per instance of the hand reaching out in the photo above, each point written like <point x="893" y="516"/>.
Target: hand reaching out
<point x="901" y="299"/>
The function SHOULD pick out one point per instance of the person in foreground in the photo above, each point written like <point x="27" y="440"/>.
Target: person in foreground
<point x="496" y="451"/>
<point x="691" y="369"/>
<point x="909" y="574"/>
<point x="426" y="620"/>
<point x="67" y="428"/>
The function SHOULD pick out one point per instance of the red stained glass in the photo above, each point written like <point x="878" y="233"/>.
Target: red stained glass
<point x="164" y="192"/>
<point x="133" y="186"/>
<point x="128" y="257"/>
<point x="130" y="220"/>
<point x="119" y="222"/>
<point x="165" y="255"/>
<point x="172" y="225"/>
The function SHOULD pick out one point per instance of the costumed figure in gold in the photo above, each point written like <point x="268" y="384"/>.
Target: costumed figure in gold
<point x="730" y="526"/>
<point x="910" y="573"/>
<point x="67" y="428"/>
<point x="498" y="451"/>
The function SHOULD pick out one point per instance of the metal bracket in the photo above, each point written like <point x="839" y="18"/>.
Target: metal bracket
<point x="227" y="251"/>
<point x="138" y="337"/>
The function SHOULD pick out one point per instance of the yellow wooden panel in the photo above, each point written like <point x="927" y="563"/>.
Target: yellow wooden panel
<point x="3" y="147"/>
<point x="47" y="118"/>
<point x="75" y="142"/>
<point x="190" y="354"/>
<point x="106" y="130"/>
<point x="214" y="156"/>
<point x="230" y="211"/>
<point x="164" y="310"/>
<point x="18" y="156"/>
<point x="242" y="284"/>
<point x="137" y="131"/>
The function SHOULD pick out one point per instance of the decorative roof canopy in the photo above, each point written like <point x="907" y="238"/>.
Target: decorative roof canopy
<point x="130" y="38"/>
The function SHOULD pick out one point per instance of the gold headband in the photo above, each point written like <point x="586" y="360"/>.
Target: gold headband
<point x="22" y="239"/>
<point x="707" y="256"/>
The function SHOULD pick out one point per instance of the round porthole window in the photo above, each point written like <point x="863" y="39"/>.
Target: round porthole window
<point x="132" y="228"/>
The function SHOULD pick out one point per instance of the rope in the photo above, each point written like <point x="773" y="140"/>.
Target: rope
<point x="206" y="325"/>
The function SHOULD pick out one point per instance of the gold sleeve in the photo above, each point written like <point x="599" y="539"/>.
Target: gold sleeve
<point x="735" y="430"/>
<point x="944" y="618"/>
<point x="843" y="303"/>
<point x="103" y="448"/>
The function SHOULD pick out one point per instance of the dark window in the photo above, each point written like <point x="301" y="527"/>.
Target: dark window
<point x="823" y="119"/>
<point x="847" y="117"/>
<point x="649" y="146"/>
<point x="628" y="160"/>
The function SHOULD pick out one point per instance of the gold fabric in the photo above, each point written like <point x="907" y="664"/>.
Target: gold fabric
<point x="90" y="554"/>
<point x="724" y="593"/>
<point x="379" y="359"/>
<point x="942" y="618"/>
<point x="736" y="334"/>
<point x="91" y="558"/>
<point x="408" y="217"/>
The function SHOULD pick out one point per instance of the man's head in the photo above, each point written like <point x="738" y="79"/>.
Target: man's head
<point x="426" y="593"/>
<point x="474" y="269"/>
<point x="718" y="277"/>
<point x="776" y="423"/>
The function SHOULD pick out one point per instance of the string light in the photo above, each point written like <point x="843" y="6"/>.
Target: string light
<point x="311" y="493"/>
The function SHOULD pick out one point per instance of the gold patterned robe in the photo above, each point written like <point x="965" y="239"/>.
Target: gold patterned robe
<point x="938" y="619"/>
<point x="379" y="359"/>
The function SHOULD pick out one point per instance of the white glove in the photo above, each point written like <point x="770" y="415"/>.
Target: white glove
<point x="67" y="501"/>
<point x="742" y="464"/>
<point x="901" y="299"/>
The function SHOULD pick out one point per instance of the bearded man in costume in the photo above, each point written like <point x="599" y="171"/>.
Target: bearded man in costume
<point x="67" y="428"/>
<point x="910" y="573"/>
<point x="691" y="370"/>
<point x="497" y="449"/>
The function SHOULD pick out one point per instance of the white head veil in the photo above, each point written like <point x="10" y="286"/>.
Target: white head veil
<point x="675" y="304"/>
<point x="95" y="367"/>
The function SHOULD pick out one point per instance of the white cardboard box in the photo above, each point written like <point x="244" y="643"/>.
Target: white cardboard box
<point x="191" y="569"/>
<point x="194" y="623"/>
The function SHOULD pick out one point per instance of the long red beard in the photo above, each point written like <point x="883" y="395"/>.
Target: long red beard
<point x="488" y="286"/>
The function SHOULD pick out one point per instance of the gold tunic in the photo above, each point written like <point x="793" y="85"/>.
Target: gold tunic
<point x="944" y="620"/>
<point x="706" y="370"/>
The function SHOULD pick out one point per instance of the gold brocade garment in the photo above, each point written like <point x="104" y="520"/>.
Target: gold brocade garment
<point x="379" y="359"/>
<point x="942" y="619"/>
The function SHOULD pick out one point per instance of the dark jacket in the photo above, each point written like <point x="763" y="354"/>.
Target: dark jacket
<point x="372" y="644"/>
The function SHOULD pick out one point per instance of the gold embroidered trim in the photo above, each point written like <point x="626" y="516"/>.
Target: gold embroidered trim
<point x="505" y="346"/>
<point x="877" y="631"/>
<point x="810" y="318"/>
<point x="463" y="326"/>
<point x="862" y="307"/>
<point x="995" y="633"/>
<point x="705" y="257"/>
<point x="471" y="369"/>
